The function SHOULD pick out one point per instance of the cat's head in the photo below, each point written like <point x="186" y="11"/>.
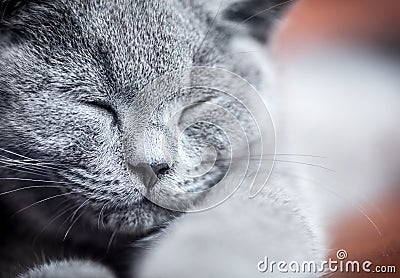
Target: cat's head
<point x="81" y="124"/>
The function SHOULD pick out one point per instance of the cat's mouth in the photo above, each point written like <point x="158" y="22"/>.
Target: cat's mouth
<point x="140" y="222"/>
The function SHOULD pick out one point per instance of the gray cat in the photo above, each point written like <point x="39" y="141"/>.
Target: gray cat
<point x="70" y="73"/>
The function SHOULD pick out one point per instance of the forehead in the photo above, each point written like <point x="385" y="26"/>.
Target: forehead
<point x="130" y="42"/>
<point x="135" y="25"/>
<point x="116" y="46"/>
<point x="140" y="39"/>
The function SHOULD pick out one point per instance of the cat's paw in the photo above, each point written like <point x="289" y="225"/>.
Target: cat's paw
<point x="69" y="269"/>
<point x="231" y="241"/>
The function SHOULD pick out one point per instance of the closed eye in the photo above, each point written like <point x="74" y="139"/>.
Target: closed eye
<point x="104" y="106"/>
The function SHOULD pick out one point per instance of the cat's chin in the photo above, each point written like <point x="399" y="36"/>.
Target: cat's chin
<point x="139" y="220"/>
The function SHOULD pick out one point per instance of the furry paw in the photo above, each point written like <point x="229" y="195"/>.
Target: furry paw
<point x="69" y="269"/>
<point x="231" y="240"/>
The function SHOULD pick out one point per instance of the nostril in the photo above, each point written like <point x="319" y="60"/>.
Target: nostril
<point x="150" y="173"/>
<point x="160" y="169"/>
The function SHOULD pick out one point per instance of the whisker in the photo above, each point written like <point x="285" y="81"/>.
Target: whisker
<point x="295" y="154"/>
<point x="23" y="170"/>
<point x="110" y="241"/>
<point x="274" y="160"/>
<point x="210" y="28"/>
<point x="101" y="215"/>
<point x="238" y="53"/>
<point x="72" y="224"/>
<point x="29" y="167"/>
<point x="369" y="220"/>
<point x="13" y="153"/>
<point x="305" y="164"/>
<point x="30" y="162"/>
<point x="42" y="201"/>
<point x="265" y="10"/>
<point x="64" y="222"/>
<point x="81" y="206"/>
<point x="16" y="154"/>
<point x="28" y="159"/>
<point x="51" y="221"/>
<point x="32" y="180"/>
<point x="4" y="9"/>
<point x="339" y="195"/>
<point x="30" y="187"/>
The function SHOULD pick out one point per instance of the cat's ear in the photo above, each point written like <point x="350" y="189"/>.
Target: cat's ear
<point x="258" y="15"/>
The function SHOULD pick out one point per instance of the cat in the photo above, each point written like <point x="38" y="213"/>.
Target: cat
<point x="75" y="104"/>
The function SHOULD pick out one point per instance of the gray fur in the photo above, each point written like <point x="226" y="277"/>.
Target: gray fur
<point x="69" y="73"/>
<point x="71" y="269"/>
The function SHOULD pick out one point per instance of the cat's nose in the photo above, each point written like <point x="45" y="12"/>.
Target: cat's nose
<point x="150" y="173"/>
<point x="160" y="169"/>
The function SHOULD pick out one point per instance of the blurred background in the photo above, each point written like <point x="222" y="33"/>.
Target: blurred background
<point x="311" y="28"/>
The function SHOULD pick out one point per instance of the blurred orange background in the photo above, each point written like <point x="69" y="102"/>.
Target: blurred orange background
<point x="307" y="24"/>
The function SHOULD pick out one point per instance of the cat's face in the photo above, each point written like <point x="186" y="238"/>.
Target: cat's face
<point x="73" y="76"/>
